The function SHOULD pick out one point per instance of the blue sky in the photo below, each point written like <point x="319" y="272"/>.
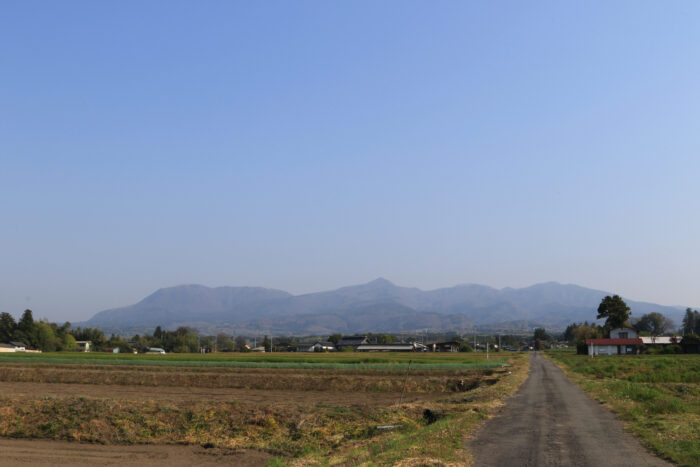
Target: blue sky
<point x="310" y="145"/>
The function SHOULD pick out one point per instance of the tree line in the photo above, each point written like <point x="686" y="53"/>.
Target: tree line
<point x="40" y="335"/>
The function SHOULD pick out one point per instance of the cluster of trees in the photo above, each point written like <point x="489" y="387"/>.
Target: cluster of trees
<point x="617" y="314"/>
<point x="654" y="324"/>
<point x="40" y="335"/>
<point x="541" y="339"/>
<point x="577" y="334"/>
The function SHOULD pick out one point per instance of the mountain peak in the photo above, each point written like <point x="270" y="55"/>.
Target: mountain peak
<point x="380" y="281"/>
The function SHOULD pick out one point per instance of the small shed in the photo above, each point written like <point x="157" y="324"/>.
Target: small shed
<point x="83" y="346"/>
<point x="660" y="340"/>
<point x="411" y="347"/>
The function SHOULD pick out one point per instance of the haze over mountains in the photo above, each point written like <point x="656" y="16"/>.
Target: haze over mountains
<point x="377" y="306"/>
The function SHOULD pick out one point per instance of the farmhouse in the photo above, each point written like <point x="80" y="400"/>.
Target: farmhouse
<point x="450" y="346"/>
<point x="318" y="346"/>
<point x="13" y="347"/>
<point x="352" y="341"/>
<point x="622" y="341"/>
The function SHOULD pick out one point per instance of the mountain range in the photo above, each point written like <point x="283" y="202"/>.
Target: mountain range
<point x="377" y="306"/>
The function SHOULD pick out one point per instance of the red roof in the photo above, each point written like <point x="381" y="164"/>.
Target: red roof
<point x="614" y="341"/>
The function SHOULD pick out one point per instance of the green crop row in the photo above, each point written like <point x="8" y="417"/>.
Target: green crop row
<point x="233" y="362"/>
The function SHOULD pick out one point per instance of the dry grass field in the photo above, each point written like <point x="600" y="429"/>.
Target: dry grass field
<point x="295" y="408"/>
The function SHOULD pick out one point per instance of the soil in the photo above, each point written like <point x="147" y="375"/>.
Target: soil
<point x="175" y="393"/>
<point x="23" y="452"/>
<point x="552" y="422"/>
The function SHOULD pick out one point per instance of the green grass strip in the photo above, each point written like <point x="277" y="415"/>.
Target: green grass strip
<point x="494" y="363"/>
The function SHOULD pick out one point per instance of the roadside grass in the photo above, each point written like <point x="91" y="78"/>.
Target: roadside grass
<point x="658" y="396"/>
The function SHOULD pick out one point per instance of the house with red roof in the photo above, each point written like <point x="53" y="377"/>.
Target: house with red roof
<point x="622" y="341"/>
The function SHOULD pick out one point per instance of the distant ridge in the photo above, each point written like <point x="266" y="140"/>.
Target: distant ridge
<point x="378" y="306"/>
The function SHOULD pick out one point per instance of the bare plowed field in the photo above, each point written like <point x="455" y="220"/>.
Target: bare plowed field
<point x="320" y="380"/>
<point x="312" y="407"/>
<point x="21" y="453"/>
<point x="175" y="393"/>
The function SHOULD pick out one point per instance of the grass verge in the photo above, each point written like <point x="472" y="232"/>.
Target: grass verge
<point x="658" y="397"/>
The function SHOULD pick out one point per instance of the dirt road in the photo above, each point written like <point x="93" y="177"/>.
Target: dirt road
<point x="552" y="422"/>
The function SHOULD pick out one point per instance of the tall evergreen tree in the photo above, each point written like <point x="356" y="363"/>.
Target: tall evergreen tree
<point x="691" y="322"/>
<point x="615" y="310"/>
<point x="7" y="327"/>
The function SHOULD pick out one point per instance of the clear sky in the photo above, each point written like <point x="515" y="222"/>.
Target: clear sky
<point x="310" y="145"/>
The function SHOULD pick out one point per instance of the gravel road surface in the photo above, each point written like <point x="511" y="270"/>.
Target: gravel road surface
<point x="552" y="422"/>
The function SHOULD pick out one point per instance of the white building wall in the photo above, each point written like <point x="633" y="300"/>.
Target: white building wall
<point x="602" y="349"/>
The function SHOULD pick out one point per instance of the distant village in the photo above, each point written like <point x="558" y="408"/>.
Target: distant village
<point x="651" y="333"/>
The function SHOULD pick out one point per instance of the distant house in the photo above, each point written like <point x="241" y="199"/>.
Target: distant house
<point x="13" y="347"/>
<point x="351" y="341"/>
<point x="112" y="349"/>
<point x="318" y="346"/>
<point x="83" y="346"/>
<point x="451" y="346"/>
<point x="410" y="347"/>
